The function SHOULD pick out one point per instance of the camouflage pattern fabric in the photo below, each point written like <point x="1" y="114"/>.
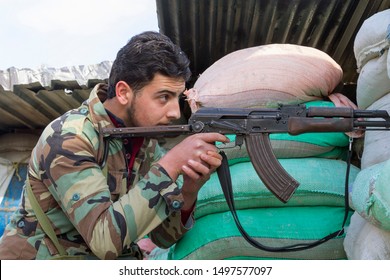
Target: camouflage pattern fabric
<point x="93" y="213"/>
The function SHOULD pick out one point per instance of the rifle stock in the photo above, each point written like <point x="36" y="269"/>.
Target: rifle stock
<point x="255" y="125"/>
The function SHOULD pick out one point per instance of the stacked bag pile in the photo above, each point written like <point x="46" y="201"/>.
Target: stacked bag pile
<point x="266" y="76"/>
<point x="369" y="234"/>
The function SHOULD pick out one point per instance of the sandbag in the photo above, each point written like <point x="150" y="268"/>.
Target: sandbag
<point x="17" y="147"/>
<point x="373" y="81"/>
<point x="216" y="237"/>
<point x="264" y="76"/>
<point x="377" y="143"/>
<point x="370" y="194"/>
<point x="372" y="38"/>
<point x="364" y="241"/>
<point x="321" y="184"/>
<point x="286" y="148"/>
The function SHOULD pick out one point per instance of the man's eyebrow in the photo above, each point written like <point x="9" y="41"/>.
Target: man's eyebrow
<point x="174" y="93"/>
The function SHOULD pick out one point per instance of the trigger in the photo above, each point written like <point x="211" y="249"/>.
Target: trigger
<point x="239" y="140"/>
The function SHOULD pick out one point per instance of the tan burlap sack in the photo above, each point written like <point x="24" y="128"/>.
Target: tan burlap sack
<point x="264" y="76"/>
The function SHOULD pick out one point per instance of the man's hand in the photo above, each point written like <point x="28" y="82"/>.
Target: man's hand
<point x="188" y="156"/>
<point x="196" y="174"/>
<point x="196" y="157"/>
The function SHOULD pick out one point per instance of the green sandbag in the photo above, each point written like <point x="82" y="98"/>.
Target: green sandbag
<point x="216" y="236"/>
<point x="322" y="183"/>
<point x="370" y="194"/>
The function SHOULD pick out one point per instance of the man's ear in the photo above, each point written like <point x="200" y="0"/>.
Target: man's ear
<point x="123" y="92"/>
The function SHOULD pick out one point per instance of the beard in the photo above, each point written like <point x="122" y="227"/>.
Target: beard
<point x="131" y="114"/>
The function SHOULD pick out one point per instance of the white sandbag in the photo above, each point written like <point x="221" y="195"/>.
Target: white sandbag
<point x="377" y="143"/>
<point x="264" y="76"/>
<point x="373" y="81"/>
<point x="370" y="194"/>
<point x="372" y="38"/>
<point x="364" y="241"/>
<point x="7" y="170"/>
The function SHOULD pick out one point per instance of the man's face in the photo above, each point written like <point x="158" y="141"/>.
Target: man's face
<point x="157" y="103"/>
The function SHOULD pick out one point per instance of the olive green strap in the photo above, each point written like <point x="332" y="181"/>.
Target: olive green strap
<point x="43" y="220"/>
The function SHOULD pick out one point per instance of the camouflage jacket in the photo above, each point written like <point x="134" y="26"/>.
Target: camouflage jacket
<point x="93" y="213"/>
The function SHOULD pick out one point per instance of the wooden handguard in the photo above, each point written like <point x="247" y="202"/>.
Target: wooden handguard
<point x="269" y="169"/>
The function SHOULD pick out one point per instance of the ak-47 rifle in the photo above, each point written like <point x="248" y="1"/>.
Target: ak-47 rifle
<point x="254" y="126"/>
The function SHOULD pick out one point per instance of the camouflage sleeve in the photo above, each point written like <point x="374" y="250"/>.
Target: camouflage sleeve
<point x="171" y="229"/>
<point x="155" y="202"/>
<point x="79" y="186"/>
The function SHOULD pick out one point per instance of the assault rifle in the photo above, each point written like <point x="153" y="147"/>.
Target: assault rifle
<point x="254" y="126"/>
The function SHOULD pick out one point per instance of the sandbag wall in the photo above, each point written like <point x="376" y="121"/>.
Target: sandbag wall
<point x="264" y="77"/>
<point x="369" y="233"/>
<point x="15" y="150"/>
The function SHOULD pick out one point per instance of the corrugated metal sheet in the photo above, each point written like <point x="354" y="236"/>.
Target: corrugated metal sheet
<point x="32" y="106"/>
<point x="209" y="29"/>
<point x="30" y="99"/>
<point x="44" y="75"/>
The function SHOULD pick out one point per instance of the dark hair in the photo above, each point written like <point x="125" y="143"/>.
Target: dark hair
<point x="145" y="55"/>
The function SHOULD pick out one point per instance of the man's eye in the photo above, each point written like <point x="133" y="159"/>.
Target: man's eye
<point x="164" y="98"/>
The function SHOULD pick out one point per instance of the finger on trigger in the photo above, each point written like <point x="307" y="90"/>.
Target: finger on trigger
<point x="212" y="160"/>
<point x="214" y="154"/>
<point x="215" y="137"/>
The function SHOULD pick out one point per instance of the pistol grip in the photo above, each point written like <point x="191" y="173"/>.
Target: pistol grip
<point x="269" y="169"/>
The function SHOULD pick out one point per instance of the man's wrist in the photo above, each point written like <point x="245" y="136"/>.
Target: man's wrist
<point x="189" y="200"/>
<point x="169" y="168"/>
<point x="186" y="213"/>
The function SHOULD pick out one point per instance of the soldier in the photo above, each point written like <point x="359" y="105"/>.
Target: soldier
<point x="100" y="197"/>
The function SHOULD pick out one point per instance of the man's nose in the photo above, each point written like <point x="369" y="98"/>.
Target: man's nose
<point x="174" y="111"/>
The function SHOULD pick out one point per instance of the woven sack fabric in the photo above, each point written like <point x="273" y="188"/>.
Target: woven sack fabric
<point x="370" y="194"/>
<point x="321" y="184"/>
<point x="374" y="80"/>
<point x="377" y="143"/>
<point x="17" y="147"/>
<point x="364" y="241"/>
<point x="372" y="38"/>
<point x="216" y="236"/>
<point x="264" y="76"/>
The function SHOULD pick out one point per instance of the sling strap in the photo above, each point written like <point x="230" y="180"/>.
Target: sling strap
<point x="44" y="220"/>
<point x="224" y="176"/>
